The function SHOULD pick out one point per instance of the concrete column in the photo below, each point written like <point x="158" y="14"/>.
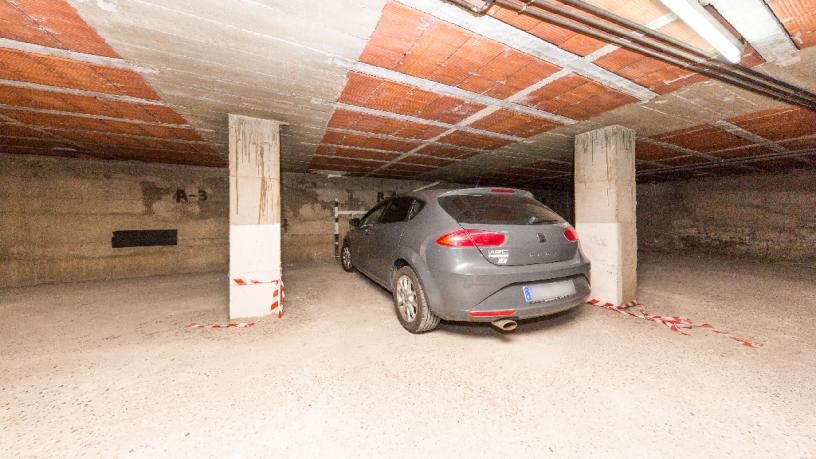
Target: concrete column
<point x="255" y="215"/>
<point x="605" y="210"/>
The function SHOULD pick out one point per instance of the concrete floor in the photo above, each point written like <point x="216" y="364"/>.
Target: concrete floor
<point x="107" y="369"/>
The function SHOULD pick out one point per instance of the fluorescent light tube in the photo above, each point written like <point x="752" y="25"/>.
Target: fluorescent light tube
<point x="693" y="14"/>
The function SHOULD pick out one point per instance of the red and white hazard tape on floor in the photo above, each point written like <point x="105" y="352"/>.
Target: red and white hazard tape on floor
<point x="676" y="324"/>
<point x="276" y="306"/>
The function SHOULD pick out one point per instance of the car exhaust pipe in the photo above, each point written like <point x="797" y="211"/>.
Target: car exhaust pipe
<point x="505" y="325"/>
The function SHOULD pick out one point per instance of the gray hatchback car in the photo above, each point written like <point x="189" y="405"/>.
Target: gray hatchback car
<point x="479" y="254"/>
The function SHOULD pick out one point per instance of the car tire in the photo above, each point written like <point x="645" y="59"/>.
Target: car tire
<point x="345" y="258"/>
<point x="414" y="315"/>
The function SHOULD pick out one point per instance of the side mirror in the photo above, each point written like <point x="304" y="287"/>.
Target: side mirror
<point x="354" y="222"/>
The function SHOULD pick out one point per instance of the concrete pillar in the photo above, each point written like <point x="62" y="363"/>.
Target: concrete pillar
<point x="255" y="215"/>
<point x="605" y="210"/>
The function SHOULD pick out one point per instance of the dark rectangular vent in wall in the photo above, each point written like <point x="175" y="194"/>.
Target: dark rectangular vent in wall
<point x="144" y="238"/>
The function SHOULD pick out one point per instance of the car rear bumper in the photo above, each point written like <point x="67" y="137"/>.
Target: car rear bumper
<point x="509" y="303"/>
<point x="480" y="287"/>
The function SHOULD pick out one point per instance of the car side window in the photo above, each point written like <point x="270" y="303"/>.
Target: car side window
<point x="373" y="215"/>
<point x="416" y="208"/>
<point x="397" y="210"/>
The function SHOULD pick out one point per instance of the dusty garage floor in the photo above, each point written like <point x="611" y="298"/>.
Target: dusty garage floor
<point x="107" y="369"/>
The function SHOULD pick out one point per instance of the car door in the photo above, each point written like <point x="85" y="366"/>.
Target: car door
<point x="359" y="237"/>
<point x="384" y="238"/>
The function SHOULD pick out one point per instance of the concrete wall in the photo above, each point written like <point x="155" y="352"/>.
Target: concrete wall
<point x="766" y="216"/>
<point x="57" y="217"/>
<point x="308" y="210"/>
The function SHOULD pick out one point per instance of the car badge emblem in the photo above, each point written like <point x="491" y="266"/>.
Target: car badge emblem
<point x="542" y="237"/>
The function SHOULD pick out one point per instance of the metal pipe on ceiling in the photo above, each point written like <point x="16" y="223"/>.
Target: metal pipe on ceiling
<point x="712" y="64"/>
<point x="612" y="17"/>
<point x="594" y="28"/>
<point x="658" y="51"/>
<point x="731" y="162"/>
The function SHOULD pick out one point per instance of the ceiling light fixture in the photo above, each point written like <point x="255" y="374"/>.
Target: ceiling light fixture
<point x="693" y="14"/>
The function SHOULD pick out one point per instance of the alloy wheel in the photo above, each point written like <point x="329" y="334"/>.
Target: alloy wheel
<point x="407" y="298"/>
<point x="346" y="256"/>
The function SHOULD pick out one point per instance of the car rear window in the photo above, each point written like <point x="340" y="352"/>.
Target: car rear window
<point x="397" y="210"/>
<point x="494" y="209"/>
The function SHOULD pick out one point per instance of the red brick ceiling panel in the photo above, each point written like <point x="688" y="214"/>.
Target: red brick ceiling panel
<point x="466" y="139"/>
<point x="780" y="124"/>
<point x="421" y="45"/>
<point x="371" y="92"/>
<point x="703" y="138"/>
<point x="442" y="151"/>
<point x="168" y="157"/>
<point x="42" y="151"/>
<point x="506" y="74"/>
<point x="90" y="124"/>
<point x="326" y="150"/>
<point x="559" y="36"/>
<point x="656" y="75"/>
<point x="357" y="140"/>
<point x="50" y="100"/>
<point x="799" y="144"/>
<point x="105" y="139"/>
<point x="52" y="23"/>
<point x="343" y="164"/>
<point x="577" y="97"/>
<point x="67" y="73"/>
<point x="651" y="152"/>
<point x="20" y="131"/>
<point x="427" y="161"/>
<point x="799" y="19"/>
<point x="513" y="123"/>
<point x="34" y="143"/>
<point x="345" y="119"/>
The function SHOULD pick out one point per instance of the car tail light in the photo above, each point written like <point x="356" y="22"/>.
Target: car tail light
<point x="502" y="190"/>
<point x="471" y="238"/>
<point x="570" y="234"/>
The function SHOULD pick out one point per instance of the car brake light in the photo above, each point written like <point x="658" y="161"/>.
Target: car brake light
<point x="471" y="238"/>
<point x="570" y="234"/>
<point x="502" y="190"/>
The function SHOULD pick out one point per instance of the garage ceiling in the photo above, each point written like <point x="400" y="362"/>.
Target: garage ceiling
<point x="401" y="88"/>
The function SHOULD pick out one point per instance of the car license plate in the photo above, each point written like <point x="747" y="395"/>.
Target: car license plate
<point x="548" y="291"/>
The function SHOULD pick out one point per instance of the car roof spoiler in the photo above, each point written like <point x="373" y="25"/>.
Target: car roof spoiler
<point x="489" y="190"/>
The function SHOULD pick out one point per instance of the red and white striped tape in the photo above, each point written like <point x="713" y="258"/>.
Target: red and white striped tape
<point x="276" y="306"/>
<point x="675" y="323"/>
